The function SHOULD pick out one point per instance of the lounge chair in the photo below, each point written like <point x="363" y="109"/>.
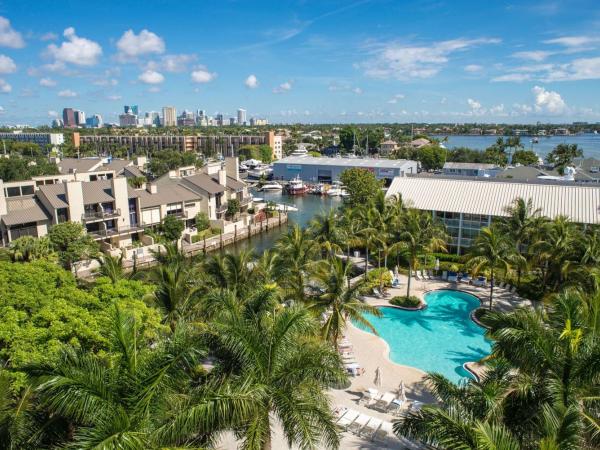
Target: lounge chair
<point x="371" y="427"/>
<point x="358" y="424"/>
<point x="500" y="285"/>
<point x="349" y="416"/>
<point x="480" y="281"/>
<point x="384" y="402"/>
<point x="444" y="275"/>
<point x="395" y="407"/>
<point x="431" y="275"/>
<point x="396" y="282"/>
<point x="507" y="287"/>
<point x="376" y="293"/>
<point x="466" y="279"/>
<point x="369" y="396"/>
<point x="452" y="277"/>
<point x="385" y="431"/>
<point x="513" y="290"/>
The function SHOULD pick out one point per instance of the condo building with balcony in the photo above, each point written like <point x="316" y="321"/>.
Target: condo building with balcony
<point x="115" y="213"/>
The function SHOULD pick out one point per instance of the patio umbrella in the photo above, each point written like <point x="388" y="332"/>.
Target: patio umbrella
<point x="396" y="272"/>
<point x="377" y="380"/>
<point x="402" y="391"/>
<point x="437" y="264"/>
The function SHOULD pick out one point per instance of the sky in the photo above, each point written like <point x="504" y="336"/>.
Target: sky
<point x="304" y="61"/>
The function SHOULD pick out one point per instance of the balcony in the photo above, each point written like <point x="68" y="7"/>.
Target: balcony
<point x="112" y="232"/>
<point x="94" y="216"/>
<point x="245" y="201"/>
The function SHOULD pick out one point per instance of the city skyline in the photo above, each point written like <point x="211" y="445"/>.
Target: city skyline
<point x="326" y="62"/>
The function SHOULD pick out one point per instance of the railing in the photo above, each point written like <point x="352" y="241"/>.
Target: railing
<point x="90" y="216"/>
<point x="222" y="208"/>
<point x="102" y="234"/>
<point x="244" y="201"/>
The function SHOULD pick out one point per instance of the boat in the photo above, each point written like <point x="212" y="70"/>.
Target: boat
<point x="285" y="208"/>
<point x="318" y="189"/>
<point x="300" y="151"/>
<point x="262" y="170"/>
<point x="535" y="140"/>
<point x="335" y="190"/>
<point x="296" y="186"/>
<point x="271" y="187"/>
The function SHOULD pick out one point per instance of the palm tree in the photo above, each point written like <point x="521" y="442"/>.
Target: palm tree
<point x="143" y="399"/>
<point x="29" y="248"/>
<point x="231" y="271"/>
<point x="521" y="225"/>
<point x="274" y="350"/>
<point x="111" y="267"/>
<point x="326" y="232"/>
<point x="339" y="301"/>
<point x="297" y="253"/>
<point x="176" y="292"/>
<point x="491" y="251"/>
<point x="419" y="234"/>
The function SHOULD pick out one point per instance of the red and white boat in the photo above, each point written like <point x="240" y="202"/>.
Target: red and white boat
<point x="296" y="186"/>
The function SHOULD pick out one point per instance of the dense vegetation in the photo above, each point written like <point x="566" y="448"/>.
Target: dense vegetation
<point x="174" y="356"/>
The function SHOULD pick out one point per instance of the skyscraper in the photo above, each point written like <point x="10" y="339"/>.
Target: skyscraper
<point x="94" y="122"/>
<point x="169" y="116"/>
<point x="79" y="118"/>
<point x="241" y="116"/>
<point x="69" y="118"/>
<point x="131" y="109"/>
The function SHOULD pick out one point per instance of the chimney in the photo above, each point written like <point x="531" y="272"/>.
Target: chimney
<point x="3" y="208"/>
<point x="74" y="194"/>
<point x="232" y="167"/>
<point x="222" y="177"/>
<point x="140" y="162"/>
<point x="152" y="188"/>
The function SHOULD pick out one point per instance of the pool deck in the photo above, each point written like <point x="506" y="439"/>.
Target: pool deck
<point x="372" y="352"/>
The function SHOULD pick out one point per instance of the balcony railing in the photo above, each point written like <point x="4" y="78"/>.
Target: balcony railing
<point x="244" y="201"/>
<point x="91" y="216"/>
<point x="111" y="232"/>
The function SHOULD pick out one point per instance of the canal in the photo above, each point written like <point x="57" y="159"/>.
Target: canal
<point x="308" y="205"/>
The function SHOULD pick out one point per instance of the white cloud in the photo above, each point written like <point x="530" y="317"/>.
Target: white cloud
<point x="473" y="68"/>
<point x="475" y="107"/>
<point x="251" y="82"/>
<point x="403" y="62"/>
<point x="106" y="82"/>
<point x="114" y="97"/>
<point x="67" y="93"/>
<point x="533" y="55"/>
<point x="578" y="69"/>
<point x="49" y="36"/>
<point x="151" y="77"/>
<point x="521" y="109"/>
<point x="5" y="88"/>
<point x="573" y="41"/>
<point x="548" y="101"/>
<point x="395" y="99"/>
<point x="7" y="65"/>
<point x="146" y="42"/>
<point x="154" y="89"/>
<point x="357" y="91"/>
<point x="47" y="82"/>
<point x="497" y="110"/>
<point x="202" y="75"/>
<point x="516" y="77"/>
<point x="76" y="50"/>
<point x="175" y="63"/>
<point x="283" y="87"/>
<point x="52" y="113"/>
<point x="8" y="36"/>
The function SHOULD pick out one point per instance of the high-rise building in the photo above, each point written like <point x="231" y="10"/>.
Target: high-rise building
<point x="128" y="120"/>
<point x="241" y="116"/>
<point x="186" y="119"/>
<point x="131" y="109"/>
<point x="169" y="116"/>
<point x="94" y="122"/>
<point x="152" y="118"/>
<point x="57" y="123"/>
<point x="232" y="121"/>
<point x="69" y="118"/>
<point x="79" y="118"/>
<point x="220" y="120"/>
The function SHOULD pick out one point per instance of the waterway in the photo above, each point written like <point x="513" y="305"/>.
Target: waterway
<point x="308" y="205"/>
<point x="590" y="143"/>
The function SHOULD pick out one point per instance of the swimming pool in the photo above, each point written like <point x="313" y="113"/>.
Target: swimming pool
<point x="439" y="338"/>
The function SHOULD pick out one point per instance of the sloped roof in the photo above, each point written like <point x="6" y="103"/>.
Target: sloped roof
<point x="204" y="182"/>
<point x="24" y="210"/>
<point x="579" y="202"/>
<point x="168" y="192"/>
<point x="80" y="165"/>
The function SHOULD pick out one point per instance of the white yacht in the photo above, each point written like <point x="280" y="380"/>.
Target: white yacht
<point x="260" y="171"/>
<point x="336" y="189"/>
<point x="271" y="187"/>
<point x="300" y="151"/>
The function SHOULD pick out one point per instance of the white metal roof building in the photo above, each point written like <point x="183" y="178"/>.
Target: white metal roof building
<point x="465" y="205"/>
<point x="326" y="170"/>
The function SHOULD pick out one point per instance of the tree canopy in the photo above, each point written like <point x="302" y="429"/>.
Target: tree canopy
<point x="361" y="184"/>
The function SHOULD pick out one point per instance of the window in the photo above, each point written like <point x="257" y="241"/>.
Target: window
<point x="62" y="215"/>
<point x="27" y="190"/>
<point x="13" y="191"/>
<point x="150" y="216"/>
<point x="174" y="209"/>
<point x="190" y="205"/>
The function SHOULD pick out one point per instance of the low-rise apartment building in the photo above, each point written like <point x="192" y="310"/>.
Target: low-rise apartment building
<point x="114" y="212"/>
<point x="40" y="139"/>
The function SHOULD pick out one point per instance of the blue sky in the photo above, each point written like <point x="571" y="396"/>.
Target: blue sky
<point x="307" y="61"/>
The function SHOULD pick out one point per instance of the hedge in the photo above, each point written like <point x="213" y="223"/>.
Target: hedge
<point x="406" y="302"/>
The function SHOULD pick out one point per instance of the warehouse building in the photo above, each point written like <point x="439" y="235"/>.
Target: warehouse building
<point x="326" y="170"/>
<point x="465" y="204"/>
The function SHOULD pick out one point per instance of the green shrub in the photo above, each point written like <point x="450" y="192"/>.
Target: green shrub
<point x="480" y="312"/>
<point x="406" y="302"/>
<point x="376" y="278"/>
<point x="452" y="257"/>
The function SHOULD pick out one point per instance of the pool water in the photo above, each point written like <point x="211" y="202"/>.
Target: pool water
<point x="439" y="338"/>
